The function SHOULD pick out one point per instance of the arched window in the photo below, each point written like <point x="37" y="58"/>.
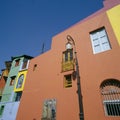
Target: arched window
<point x="110" y="91"/>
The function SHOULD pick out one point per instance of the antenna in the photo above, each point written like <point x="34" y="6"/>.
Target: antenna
<point x="43" y="45"/>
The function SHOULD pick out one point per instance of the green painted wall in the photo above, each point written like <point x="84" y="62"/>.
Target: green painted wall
<point x="9" y="89"/>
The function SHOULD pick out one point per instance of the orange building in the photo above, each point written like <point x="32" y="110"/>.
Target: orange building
<point x="52" y="82"/>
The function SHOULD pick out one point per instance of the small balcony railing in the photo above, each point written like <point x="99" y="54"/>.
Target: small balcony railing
<point x="68" y="65"/>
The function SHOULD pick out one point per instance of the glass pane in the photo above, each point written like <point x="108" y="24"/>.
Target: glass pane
<point x="24" y="64"/>
<point x="106" y="46"/>
<point x="66" y="56"/>
<point x="94" y="36"/>
<point x="97" y="49"/>
<point x="20" y="81"/>
<point x="71" y="55"/>
<point x="104" y="39"/>
<point x="96" y="42"/>
<point x="102" y="32"/>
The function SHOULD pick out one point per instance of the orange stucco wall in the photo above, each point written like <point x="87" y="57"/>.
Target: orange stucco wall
<point x="46" y="80"/>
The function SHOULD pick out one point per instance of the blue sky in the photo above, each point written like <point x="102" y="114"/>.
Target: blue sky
<point x="26" y="24"/>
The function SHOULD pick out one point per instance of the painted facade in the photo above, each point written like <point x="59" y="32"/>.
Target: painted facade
<point x="50" y="91"/>
<point x="20" y="81"/>
<point x="4" y="77"/>
<point x="13" y="88"/>
<point x="114" y="17"/>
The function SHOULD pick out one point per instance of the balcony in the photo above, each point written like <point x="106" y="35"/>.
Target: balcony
<point x="68" y="65"/>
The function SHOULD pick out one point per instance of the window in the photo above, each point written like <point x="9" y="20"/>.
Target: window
<point x="68" y="55"/>
<point x="17" y="62"/>
<point x="1" y="110"/>
<point x="18" y="96"/>
<point x="67" y="60"/>
<point x="99" y="40"/>
<point x="12" y="80"/>
<point x="20" y="81"/>
<point x="35" y="66"/>
<point x="110" y="91"/>
<point x="0" y="98"/>
<point x="67" y="81"/>
<point x="24" y="65"/>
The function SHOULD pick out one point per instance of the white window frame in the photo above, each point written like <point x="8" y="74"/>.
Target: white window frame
<point x="22" y="65"/>
<point x="100" y="41"/>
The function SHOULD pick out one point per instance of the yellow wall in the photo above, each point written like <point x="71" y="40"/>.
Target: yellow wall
<point x="114" y="17"/>
<point x="5" y="73"/>
<point x="20" y="88"/>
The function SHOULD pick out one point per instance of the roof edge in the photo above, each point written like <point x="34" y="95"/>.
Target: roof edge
<point x="26" y="56"/>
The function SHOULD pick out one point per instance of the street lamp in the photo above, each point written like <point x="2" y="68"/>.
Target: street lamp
<point x="71" y="44"/>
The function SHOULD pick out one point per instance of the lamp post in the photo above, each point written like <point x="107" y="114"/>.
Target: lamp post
<point x="71" y="44"/>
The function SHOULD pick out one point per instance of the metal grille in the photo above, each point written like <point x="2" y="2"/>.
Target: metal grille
<point x="110" y="91"/>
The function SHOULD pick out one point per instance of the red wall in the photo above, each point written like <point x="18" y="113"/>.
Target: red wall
<point x="2" y="80"/>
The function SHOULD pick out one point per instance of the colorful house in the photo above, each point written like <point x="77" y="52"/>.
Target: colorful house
<point x="4" y="77"/>
<point x="13" y="88"/>
<point x="82" y="81"/>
